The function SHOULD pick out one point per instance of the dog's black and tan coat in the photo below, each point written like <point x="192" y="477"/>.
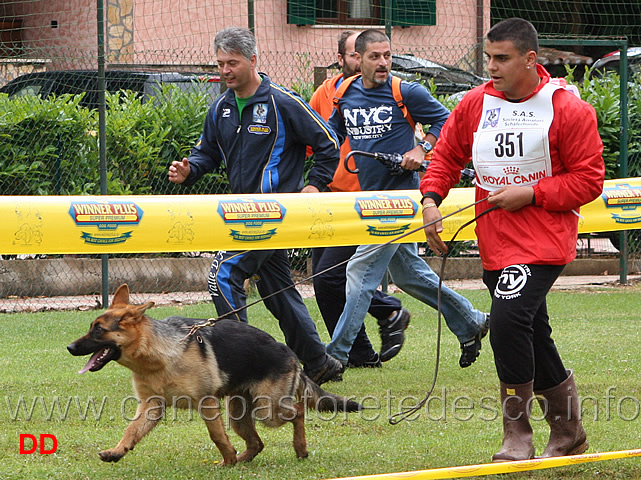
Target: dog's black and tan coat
<point x="261" y="378"/>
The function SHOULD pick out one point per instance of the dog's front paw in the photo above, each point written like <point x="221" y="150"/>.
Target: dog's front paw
<point x="228" y="462"/>
<point x="112" y="455"/>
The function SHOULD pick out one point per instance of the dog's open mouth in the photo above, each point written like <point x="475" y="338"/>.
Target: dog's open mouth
<point x="99" y="359"/>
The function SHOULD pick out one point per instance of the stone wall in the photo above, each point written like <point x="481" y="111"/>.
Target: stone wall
<point x="83" y="276"/>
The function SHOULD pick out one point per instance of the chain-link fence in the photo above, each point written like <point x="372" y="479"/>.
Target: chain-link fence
<point x="161" y="75"/>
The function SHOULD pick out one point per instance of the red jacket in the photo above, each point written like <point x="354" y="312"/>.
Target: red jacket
<point x="322" y="102"/>
<point x="544" y="233"/>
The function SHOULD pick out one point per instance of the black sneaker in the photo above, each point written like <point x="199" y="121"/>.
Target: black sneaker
<point x="393" y="334"/>
<point x="373" y="362"/>
<point x="331" y="370"/>
<point x="486" y="325"/>
<point x="471" y="349"/>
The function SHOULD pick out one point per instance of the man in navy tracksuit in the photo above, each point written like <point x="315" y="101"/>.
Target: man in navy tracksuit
<point x="259" y="131"/>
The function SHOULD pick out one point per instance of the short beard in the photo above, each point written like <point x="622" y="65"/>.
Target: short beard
<point x="349" y="72"/>
<point x="380" y="82"/>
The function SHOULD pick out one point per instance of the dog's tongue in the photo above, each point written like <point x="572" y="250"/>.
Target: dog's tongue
<point x="92" y="361"/>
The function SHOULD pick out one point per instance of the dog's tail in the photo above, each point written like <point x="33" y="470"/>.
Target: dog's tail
<point x="315" y="398"/>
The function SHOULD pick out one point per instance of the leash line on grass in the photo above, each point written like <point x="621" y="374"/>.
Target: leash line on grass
<point x="404" y="414"/>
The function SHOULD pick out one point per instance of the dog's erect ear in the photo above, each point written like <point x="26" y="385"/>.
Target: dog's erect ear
<point x="121" y="297"/>
<point x="143" y="308"/>
<point x="135" y="313"/>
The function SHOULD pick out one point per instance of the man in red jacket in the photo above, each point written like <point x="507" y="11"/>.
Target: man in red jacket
<point x="538" y="157"/>
<point x="329" y="263"/>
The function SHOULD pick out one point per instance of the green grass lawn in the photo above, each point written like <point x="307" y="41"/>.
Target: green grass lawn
<point x="597" y="333"/>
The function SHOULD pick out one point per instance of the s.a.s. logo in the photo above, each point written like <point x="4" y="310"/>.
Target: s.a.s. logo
<point x="491" y="118"/>
<point x="512" y="280"/>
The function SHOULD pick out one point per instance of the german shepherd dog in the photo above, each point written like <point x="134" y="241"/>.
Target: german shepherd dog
<point x="261" y="378"/>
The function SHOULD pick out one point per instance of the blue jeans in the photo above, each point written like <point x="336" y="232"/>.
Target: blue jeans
<point x="409" y="272"/>
<point x="329" y="265"/>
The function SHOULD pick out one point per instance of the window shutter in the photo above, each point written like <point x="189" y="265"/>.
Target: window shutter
<point x="301" y="12"/>
<point x="413" y="12"/>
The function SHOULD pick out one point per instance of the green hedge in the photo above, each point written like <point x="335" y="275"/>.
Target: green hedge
<point x="50" y="147"/>
<point x="46" y="147"/>
<point x="604" y="95"/>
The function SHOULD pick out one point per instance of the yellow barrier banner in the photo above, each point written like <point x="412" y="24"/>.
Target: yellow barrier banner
<point x="185" y="223"/>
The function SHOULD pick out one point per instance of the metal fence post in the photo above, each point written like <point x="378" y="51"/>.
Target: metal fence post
<point x="102" y="137"/>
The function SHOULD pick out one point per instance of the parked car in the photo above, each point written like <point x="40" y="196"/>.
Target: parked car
<point x="75" y="82"/>
<point x="612" y="61"/>
<point x="448" y="79"/>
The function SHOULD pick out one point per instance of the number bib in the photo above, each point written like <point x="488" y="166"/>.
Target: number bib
<point x="511" y="144"/>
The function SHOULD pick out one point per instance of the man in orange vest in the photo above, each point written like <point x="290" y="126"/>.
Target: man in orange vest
<point x="330" y="263"/>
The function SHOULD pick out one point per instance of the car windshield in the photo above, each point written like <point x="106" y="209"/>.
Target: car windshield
<point x="28" y="90"/>
<point x="612" y="61"/>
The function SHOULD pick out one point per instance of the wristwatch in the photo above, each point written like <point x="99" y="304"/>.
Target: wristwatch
<point x="426" y="146"/>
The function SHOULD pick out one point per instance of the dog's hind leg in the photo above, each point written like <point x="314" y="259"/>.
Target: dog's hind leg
<point x="242" y="421"/>
<point x="216" y="429"/>
<point x="148" y="414"/>
<point x="300" y="443"/>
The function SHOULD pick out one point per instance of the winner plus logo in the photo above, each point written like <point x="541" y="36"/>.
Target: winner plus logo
<point x="108" y="218"/>
<point x="253" y="220"/>
<point x="386" y="211"/>
<point x="622" y="201"/>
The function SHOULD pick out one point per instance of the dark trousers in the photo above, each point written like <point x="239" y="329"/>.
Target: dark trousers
<point x="520" y="332"/>
<point x="330" y="263"/>
<point x="271" y="270"/>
